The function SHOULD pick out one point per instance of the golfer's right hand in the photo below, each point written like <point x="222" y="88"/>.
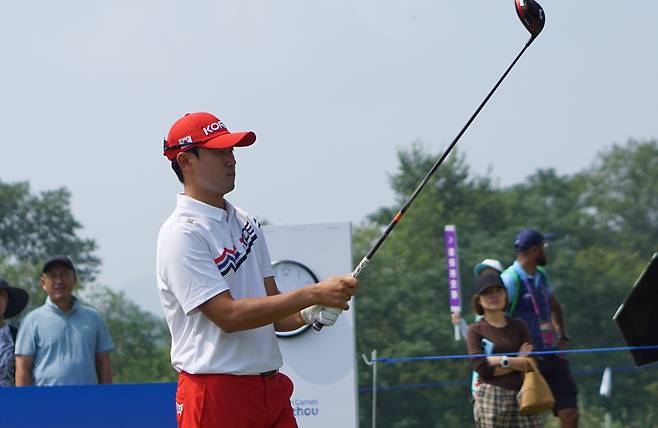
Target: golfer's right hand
<point x="336" y="291"/>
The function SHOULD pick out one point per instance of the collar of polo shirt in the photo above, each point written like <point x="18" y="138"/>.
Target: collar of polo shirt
<point x="54" y="307"/>
<point x="215" y="213"/>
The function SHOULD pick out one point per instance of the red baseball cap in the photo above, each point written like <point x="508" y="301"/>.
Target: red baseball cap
<point x="203" y="130"/>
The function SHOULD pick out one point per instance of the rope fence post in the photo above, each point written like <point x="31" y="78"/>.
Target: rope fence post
<point x="373" y="363"/>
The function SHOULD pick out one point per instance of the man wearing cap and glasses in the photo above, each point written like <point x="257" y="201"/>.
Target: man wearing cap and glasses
<point x="218" y="292"/>
<point x="12" y="302"/>
<point x="532" y="299"/>
<point x="62" y="342"/>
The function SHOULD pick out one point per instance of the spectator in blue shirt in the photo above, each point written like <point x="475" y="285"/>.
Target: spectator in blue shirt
<point x="62" y="342"/>
<point x="532" y="299"/>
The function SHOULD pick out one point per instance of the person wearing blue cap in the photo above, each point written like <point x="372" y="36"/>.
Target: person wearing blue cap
<point x="533" y="300"/>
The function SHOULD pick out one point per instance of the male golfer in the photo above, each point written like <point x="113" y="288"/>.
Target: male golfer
<point x="218" y="292"/>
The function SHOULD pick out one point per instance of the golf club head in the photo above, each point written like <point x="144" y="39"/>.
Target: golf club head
<point x="531" y="14"/>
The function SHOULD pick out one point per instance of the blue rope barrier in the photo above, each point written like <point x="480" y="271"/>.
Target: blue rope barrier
<point x="416" y="385"/>
<point x="395" y="360"/>
<point x="578" y="372"/>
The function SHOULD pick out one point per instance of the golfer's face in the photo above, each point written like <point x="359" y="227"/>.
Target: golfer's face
<point x="58" y="283"/>
<point x="4" y="298"/>
<point x="216" y="170"/>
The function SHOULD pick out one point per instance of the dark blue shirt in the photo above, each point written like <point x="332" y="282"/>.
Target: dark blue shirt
<point x="515" y="279"/>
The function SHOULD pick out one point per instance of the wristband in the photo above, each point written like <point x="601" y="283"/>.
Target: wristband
<point x="504" y="361"/>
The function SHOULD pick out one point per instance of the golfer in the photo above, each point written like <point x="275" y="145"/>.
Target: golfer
<point x="218" y="292"/>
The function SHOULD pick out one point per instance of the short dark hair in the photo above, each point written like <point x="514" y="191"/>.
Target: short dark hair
<point x="477" y="307"/>
<point x="176" y="167"/>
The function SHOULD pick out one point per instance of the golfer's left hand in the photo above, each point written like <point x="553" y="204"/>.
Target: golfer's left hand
<point x="326" y="316"/>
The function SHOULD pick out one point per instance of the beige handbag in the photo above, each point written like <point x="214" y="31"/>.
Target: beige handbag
<point x="534" y="396"/>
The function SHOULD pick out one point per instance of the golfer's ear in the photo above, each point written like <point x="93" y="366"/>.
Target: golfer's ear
<point x="184" y="162"/>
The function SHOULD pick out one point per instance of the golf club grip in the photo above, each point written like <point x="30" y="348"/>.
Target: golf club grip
<point x="317" y="325"/>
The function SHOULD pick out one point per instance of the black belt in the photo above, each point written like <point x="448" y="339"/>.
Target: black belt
<point x="270" y="373"/>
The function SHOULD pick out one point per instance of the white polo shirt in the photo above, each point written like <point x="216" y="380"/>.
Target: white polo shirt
<point x="203" y="251"/>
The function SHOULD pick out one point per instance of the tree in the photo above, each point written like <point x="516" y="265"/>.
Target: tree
<point x="622" y="195"/>
<point x="401" y="309"/>
<point x="606" y="219"/>
<point x="34" y="227"/>
<point x="141" y="340"/>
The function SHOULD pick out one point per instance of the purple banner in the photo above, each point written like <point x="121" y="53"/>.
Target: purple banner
<point x="452" y="260"/>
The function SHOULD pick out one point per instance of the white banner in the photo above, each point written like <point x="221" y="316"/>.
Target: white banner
<point x="321" y="364"/>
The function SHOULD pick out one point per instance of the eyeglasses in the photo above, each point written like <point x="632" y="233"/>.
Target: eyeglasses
<point x="181" y="145"/>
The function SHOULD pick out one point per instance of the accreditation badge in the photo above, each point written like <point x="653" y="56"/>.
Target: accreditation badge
<point x="547" y="334"/>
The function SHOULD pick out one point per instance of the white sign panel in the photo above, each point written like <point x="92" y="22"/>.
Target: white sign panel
<point x="321" y="364"/>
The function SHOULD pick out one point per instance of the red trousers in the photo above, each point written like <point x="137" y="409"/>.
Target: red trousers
<point x="229" y="401"/>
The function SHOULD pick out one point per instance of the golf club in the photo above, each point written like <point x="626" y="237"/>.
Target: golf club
<point x="532" y="16"/>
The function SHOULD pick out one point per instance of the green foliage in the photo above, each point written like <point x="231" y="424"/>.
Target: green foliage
<point x="141" y="340"/>
<point x="606" y="218"/>
<point x="34" y="227"/>
<point x="24" y="275"/>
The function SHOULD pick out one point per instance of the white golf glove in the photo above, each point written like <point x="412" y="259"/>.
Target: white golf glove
<point x="326" y="316"/>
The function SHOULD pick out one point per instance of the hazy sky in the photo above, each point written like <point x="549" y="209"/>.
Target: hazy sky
<point x="332" y="89"/>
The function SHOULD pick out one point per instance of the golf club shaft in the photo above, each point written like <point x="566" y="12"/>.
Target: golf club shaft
<point x="318" y="325"/>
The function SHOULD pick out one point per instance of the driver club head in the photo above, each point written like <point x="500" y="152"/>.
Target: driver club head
<point x="531" y="14"/>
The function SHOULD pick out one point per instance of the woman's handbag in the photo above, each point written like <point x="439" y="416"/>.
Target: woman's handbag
<point x="534" y="396"/>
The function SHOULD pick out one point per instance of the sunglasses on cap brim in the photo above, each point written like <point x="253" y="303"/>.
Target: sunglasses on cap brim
<point x="180" y="146"/>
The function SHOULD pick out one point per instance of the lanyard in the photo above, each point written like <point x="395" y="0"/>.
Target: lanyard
<point x="532" y="297"/>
